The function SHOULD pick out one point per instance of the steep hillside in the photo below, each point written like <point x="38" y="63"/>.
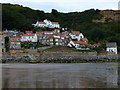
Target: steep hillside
<point x="22" y="18"/>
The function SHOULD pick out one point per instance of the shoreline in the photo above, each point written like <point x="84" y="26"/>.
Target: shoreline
<point x="27" y="59"/>
<point x="59" y="57"/>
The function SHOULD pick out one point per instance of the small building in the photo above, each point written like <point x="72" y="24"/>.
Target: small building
<point x="111" y="47"/>
<point x="15" y="43"/>
<point x="40" y="36"/>
<point x="54" y="41"/>
<point x="29" y="38"/>
<point x="47" y="23"/>
<point x="85" y="40"/>
<point x="76" y="35"/>
<point x="78" y="44"/>
<point x="29" y="32"/>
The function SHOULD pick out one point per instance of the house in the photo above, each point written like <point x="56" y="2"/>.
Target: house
<point x="76" y="35"/>
<point x="111" y="47"/>
<point x="59" y="41"/>
<point x="78" y="44"/>
<point x="51" y="40"/>
<point x="47" y="23"/>
<point x="57" y="35"/>
<point x="84" y="40"/>
<point x="45" y="37"/>
<point x="29" y="32"/>
<point x="40" y="36"/>
<point x="29" y="38"/>
<point x="15" y="43"/>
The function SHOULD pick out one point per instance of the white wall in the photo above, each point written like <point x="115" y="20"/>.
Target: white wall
<point x="112" y="49"/>
<point x="29" y="38"/>
<point x="80" y="36"/>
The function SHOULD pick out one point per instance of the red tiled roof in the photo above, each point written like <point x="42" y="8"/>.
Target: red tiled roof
<point x="75" y="31"/>
<point x="58" y="38"/>
<point x="28" y="31"/>
<point x="77" y="34"/>
<point x="57" y="34"/>
<point x="84" y="39"/>
<point x="41" y="22"/>
<point x="80" y="42"/>
<point x="39" y="32"/>
<point x="28" y="35"/>
<point x="55" y="23"/>
<point x="15" y="39"/>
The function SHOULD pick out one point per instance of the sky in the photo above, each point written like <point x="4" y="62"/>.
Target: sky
<point x="66" y="5"/>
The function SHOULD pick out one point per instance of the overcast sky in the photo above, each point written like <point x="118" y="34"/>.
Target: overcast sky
<point x="66" y="5"/>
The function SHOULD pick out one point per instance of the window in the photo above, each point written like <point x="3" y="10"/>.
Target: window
<point x="51" y="39"/>
<point x="51" y="43"/>
<point x="18" y="43"/>
<point x="12" y="42"/>
<point x="56" y="43"/>
<point x="56" y="39"/>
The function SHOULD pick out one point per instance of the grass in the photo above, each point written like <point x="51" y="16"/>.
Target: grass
<point x="64" y="49"/>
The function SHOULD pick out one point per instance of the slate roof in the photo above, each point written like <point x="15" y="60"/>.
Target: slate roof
<point x="111" y="44"/>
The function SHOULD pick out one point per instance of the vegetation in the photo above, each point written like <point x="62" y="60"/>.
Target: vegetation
<point x="22" y="18"/>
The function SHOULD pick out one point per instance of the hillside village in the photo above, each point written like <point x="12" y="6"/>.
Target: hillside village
<point x="17" y="40"/>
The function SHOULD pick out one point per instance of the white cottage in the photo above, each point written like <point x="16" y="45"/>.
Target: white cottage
<point x="76" y="35"/>
<point x="111" y="47"/>
<point x="29" y="38"/>
<point x="47" y="23"/>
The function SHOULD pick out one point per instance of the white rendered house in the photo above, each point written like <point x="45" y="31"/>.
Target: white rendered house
<point x="47" y="23"/>
<point x="29" y="38"/>
<point x="77" y="44"/>
<point x="111" y="47"/>
<point x="76" y="35"/>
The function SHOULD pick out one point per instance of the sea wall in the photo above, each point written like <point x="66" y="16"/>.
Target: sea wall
<point x="59" y="56"/>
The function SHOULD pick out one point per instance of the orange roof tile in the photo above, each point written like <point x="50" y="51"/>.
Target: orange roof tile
<point x="28" y="35"/>
<point x="84" y="39"/>
<point x="57" y="34"/>
<point x="80" y="42"/>
<point x="57" y="38"/>
<point x="39" y="32"/>
<point x="28" y="31"/>
<point x="41" y="22"/>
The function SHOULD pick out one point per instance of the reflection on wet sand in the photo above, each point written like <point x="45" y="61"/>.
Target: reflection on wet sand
<point x="80" y="75"/>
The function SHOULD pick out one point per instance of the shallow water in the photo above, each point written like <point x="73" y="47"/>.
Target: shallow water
<point x="76" y="75"/>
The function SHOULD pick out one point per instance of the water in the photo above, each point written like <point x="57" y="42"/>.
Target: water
<point x="79" y="75"/>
